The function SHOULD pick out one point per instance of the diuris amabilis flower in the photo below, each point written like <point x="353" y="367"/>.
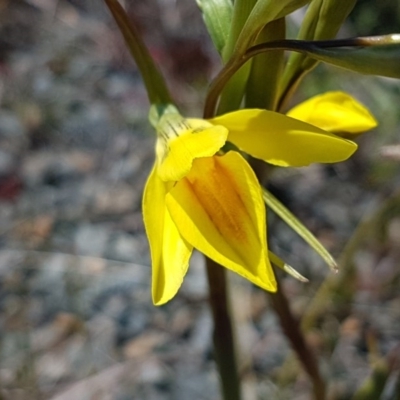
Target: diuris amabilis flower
<point x="198" y="197"/>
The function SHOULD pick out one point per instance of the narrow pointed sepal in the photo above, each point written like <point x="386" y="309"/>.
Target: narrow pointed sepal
<point x="281" y="140"/>
<point x="335" y="112"/>
<point x="170" y="252"/>
<point x="275" y="260"/>
<point x="219" y="210"/>
<point x="279" y="209"/>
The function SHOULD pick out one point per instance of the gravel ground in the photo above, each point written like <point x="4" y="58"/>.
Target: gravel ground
<point x="76" y="316"/>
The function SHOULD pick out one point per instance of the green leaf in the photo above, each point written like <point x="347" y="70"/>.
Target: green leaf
<point x="375" y="55"/>
<point x="373" y="387"/>
<point x="217" y="15"/>
<point x="247" y="24"/>
<point x="241" y="11"/>
<point x="233" y="90"/>
<point x="321" y="21"/>
<point x="264" y="12"/>
<point x="154" y="82"/>
<point x="279" y="209"/>
<point x="381" y="60"/>
<point x="266" y="70"/>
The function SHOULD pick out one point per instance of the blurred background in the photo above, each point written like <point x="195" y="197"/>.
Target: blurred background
<point x="76" y="317"/>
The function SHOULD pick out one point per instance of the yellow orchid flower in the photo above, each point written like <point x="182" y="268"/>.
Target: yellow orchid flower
<point x="198" y="197"/>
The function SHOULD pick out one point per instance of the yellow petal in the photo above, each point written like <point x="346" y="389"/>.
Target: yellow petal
<point x="170" y="253"/>
<point x="179" y="143"/>
<point x="280" y="140"/>
<point x="218" y="208"/>
<point x="335" y="112"/>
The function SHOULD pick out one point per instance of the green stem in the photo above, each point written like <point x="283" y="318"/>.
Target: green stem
<point x="233" y="90"/>
<point x="223" y="336"/>
<point x="241" y="11"/>
<point x="291" y="328"/>
<point x="290" y="88"/>
<point x="155" y="85"/>
<point x="219" y="82"/>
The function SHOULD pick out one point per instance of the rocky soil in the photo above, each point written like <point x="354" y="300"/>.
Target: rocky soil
<point x="76" y="318"/>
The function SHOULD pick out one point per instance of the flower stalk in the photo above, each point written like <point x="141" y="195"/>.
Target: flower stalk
<point x="291" y="328"/>
<point x="375" y="55"/>
<point x="223" y="333"/>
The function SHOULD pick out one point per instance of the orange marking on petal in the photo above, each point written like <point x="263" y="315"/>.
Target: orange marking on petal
<point x="217" y="191"/>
